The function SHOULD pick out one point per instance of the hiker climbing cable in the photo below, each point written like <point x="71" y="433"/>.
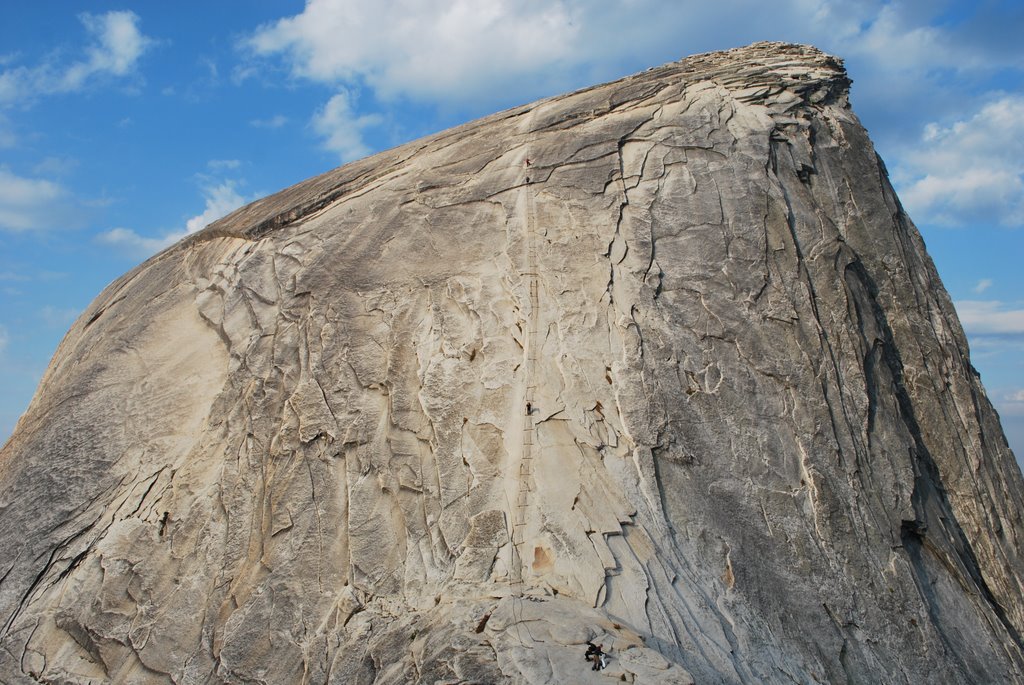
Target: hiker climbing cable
<point x="596" y="656"/>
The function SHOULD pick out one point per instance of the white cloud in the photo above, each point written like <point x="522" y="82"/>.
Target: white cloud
<point x="58" y="317"/>
<point x="221" y="199"/>
<point x="971" y="170"/>
<point x="910" y="50"/>
<point x="129" y="241"/>
<point x="447" y="48"/>
<point x="223" y="164"/>
<point x="7" y="137"/>
<point x="1011" y="404"/>
<point x="342" y="129"/>
<point x="982" y="285"/>
<point x="276" y="121"/>
<point x="211" y="68"/>
<point x="30" y="203"/>
<point x="908" y="58"/>
<point x="486" y="54"/>
<point x="4" y="339"/>
<point x="467" y="50"/>
<point x="990" y="317"/>
<point x="42" y="276"/>
<point x="903" y="35"/>
<point x="115" y="48"/>
<point x="55" y="166"/>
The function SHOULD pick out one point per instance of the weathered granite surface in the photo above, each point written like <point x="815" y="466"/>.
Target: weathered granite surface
<point x="661" y="364"/>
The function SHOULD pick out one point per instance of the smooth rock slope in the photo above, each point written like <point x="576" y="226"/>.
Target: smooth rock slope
<point x="661" y="364"/>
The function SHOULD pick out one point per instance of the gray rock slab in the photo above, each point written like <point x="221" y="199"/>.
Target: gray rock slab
<point x="660" y="364"/>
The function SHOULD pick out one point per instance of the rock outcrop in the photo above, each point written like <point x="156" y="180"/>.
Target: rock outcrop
<point x="660" y="364"/>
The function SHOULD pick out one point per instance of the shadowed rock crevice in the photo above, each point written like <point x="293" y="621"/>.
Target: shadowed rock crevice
<point x="659" y="364"/>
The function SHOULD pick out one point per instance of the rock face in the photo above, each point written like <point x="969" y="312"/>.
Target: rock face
<point x="660" y="364"/>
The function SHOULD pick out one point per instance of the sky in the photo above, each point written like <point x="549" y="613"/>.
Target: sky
<point x="126" y="126"/>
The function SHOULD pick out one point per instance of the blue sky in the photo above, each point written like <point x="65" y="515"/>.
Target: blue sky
<point x="125" y="126"/>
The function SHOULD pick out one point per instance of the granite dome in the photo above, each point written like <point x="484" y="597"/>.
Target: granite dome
<point x="660" y="364"/>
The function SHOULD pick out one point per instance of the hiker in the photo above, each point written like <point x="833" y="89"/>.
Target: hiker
<point x="596" y="655"/>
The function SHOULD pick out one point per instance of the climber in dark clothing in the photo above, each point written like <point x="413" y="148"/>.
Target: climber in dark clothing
<point x="596" y="655"/>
